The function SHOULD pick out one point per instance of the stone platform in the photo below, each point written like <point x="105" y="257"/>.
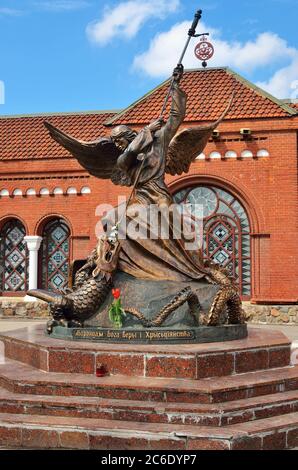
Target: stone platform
<point x="239" y="394"/>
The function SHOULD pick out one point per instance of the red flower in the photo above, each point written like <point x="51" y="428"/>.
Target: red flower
<point x="116" y="293"/>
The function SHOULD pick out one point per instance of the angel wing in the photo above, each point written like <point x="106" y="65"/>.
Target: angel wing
<point x="187" y="144"/>
<point x="99" y="157"/>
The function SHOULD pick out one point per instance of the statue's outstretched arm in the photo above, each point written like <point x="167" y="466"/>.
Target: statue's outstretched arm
<point x="188" y="143"/>
<point x="177" y="113"/>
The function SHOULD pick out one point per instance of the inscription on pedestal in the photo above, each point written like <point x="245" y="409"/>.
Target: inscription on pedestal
<point x="201" y="334"/>
<point x="94" y="334"/>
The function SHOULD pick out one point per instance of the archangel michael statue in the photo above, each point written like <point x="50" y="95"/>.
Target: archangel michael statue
<point x="141" y="160"/>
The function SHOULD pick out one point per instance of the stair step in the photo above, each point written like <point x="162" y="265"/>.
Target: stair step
<point x="129" y="410"/>
<point x="23" y="431"/>
<point x="21" y="378"/>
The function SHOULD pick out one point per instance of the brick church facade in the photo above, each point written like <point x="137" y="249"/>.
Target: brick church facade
<point x="247" y="183"/>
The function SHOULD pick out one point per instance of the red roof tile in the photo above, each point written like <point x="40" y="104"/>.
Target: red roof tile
<point x="25" y="137"/>
<point x="293" y="105"/>
<point x="208" y="94"/>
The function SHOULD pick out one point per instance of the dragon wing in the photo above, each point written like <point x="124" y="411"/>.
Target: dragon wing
<point x="187" y="144"/>
<point x="99" y="157"/>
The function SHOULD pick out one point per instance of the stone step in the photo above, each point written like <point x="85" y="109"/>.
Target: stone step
<point x="52" y="432"/>
<point x="221" y="414"/>
<point x="260" y="351"/>
<point x="21" y="378"/>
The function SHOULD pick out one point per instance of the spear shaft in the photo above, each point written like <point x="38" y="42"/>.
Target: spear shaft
<point x="191" y="34"/>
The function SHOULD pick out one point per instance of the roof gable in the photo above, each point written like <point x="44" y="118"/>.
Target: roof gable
<point x="208" y="93"/>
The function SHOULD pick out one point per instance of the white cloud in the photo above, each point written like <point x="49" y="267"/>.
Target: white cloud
<point x="165" y="49"/>
<point x="284" y="82"/>
<point x="163" y="52"/>
<point x="267" y="49"/>
<point x="62" y="5"/>
<point x="126" y="19"/>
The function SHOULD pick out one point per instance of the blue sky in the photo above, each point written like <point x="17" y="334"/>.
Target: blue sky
<point x="76" y="55"/>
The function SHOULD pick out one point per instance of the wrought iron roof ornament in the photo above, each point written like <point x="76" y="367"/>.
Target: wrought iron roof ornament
<point x="204" y="50"/>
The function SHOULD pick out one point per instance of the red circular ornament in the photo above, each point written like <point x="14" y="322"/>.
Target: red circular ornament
<point x="204" y="50"/>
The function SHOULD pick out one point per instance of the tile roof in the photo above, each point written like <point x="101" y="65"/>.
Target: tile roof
<point x="25" y="137"/>
<point x="208" y="93"/>
<point x="293" y="105"/>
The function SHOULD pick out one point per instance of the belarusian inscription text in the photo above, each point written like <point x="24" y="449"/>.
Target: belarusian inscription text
<point x="132" y="335"/>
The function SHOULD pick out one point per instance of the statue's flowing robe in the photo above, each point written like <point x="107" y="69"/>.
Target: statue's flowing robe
<point x="157" y="258"/>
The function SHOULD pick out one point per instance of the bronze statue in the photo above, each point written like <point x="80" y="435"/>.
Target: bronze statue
<point x="141" y="160"/>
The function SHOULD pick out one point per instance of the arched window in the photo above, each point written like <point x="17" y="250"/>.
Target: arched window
<point x="54" y="259"/>
<point x="13" y="257"/>
<point x="226" y="231"/>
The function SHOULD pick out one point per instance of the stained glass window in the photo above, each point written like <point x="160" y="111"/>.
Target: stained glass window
<point x="55" y="255"/>
<point x="13" y="257"/>
<point x="226" y="230"/>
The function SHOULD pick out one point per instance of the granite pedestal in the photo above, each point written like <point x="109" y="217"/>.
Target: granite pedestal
<point x="239" y="394"/>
